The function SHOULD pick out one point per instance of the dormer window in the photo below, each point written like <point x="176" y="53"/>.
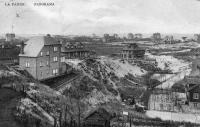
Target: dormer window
<point x="195" y="95"/>
<point x="55" y="49"/>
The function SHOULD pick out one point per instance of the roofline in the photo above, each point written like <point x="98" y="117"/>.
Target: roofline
<point x="28" y="56"/>
<point x="51" y="44"/>
<point x="193" y="87"/>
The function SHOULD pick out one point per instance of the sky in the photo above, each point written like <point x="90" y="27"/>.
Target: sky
<point x="69" y="17"/>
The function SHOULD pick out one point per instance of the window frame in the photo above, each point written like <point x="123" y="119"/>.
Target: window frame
<point x="195" y="96"/>
<point x="47" y="53"/>
<point x="47" y="63"/>
<point x="55" y="71"/>
<point x="27" y="64"/>
<point x="55" y="48"/>
<point x="62" y="59"/>
<point x="55" y="59"/>
<point x="195" y="104"/>
<point x="41" y="64"/>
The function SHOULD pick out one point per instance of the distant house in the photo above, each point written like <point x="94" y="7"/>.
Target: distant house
<point x="75" y="50"/>
<point x="10" y="37"/>
<point x="193" y="91"/>
<point x="130" y="36"/>
<point x="157" y="37"/>
<point x="111" y="38"/>
<point x="10" y="49"/>
<point x="138" y="36"/>
<point x="194" y="96"/>
<point x="9" y="54"/>
<point x="98" y="118"/>
<point x="41" y="57"/>
<point x="170" y="40"/>
<point x="164" y="100"/>
<point x="132" y="51"/>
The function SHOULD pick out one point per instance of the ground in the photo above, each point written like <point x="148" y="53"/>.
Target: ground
<point x="8" y="102"/>
<point x="103" y="81"/>
<point x="187" y="117"/>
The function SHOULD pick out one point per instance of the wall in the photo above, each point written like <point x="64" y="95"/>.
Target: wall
<point x="32" y="62"/>
<point x="161" y="102"/>
<point x="195" y="67"/>
<point x="192" y="105"/>
<point x="43" y="71"/>
<point x="47" y="71"/>
<point x="191" y="92"/>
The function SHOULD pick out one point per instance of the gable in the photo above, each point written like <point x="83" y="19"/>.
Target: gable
<point x="100" y="114"/>
<point x="96" y="116"/>
<point x="33" y="47"/>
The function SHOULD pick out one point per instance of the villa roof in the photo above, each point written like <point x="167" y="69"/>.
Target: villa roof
<point x="35" y="45"/>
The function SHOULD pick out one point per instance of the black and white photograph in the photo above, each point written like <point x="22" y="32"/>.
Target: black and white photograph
<point x="99" y="63"/>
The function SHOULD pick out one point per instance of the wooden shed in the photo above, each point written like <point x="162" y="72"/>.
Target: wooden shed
<point x="98" y="118"/>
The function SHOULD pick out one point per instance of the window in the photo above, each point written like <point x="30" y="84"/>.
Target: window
<point x="55" y="71"/>
<point x="47" y="53"/>
<point x="41" y="53"/>
<point x="55" y="49"/>
<point x="195" y="105"/>
<point x="161" y="106"/>
<point x="41" y="64"/>
<point x="27" y="64"/>
<point x="196" y="96"/>
<point x="47" y="63"/>
<point x="62" y="59"/>
<point x="55" y="59"/>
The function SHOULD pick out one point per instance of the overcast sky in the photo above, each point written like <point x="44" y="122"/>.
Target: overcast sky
<point x="102" y="16"/>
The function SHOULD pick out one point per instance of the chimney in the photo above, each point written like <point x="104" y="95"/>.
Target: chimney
<point x="22" y="48"/>
<point x="48" y="35"/>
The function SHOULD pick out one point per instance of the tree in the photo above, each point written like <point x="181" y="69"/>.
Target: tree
<point x="77" y="93"/>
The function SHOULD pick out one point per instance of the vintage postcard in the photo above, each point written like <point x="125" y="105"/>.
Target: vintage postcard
<point x="99" y="63"/>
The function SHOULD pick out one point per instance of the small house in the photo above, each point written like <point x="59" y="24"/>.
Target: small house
<point x="41" y="57"/>
<point x="98" y="118"/>
<point x="132" y="51"/>
<point x="74" y="50"/>
<point x="9" y="54"/>
<point x="194" y="96"/>
<point x="166" y="100"/>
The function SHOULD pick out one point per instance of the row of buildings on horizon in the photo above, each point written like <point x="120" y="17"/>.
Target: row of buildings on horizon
<point x="155" y="37"/>
<point x="78" y="47"/>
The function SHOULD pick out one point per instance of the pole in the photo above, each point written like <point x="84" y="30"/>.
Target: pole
<point x="12" y="28"/>
<point x="130" y="120"/>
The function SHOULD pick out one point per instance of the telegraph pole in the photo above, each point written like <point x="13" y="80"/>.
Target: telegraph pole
<point x="12" y="28"/>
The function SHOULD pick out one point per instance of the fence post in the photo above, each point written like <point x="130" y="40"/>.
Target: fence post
<point x="130" y="120"/>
